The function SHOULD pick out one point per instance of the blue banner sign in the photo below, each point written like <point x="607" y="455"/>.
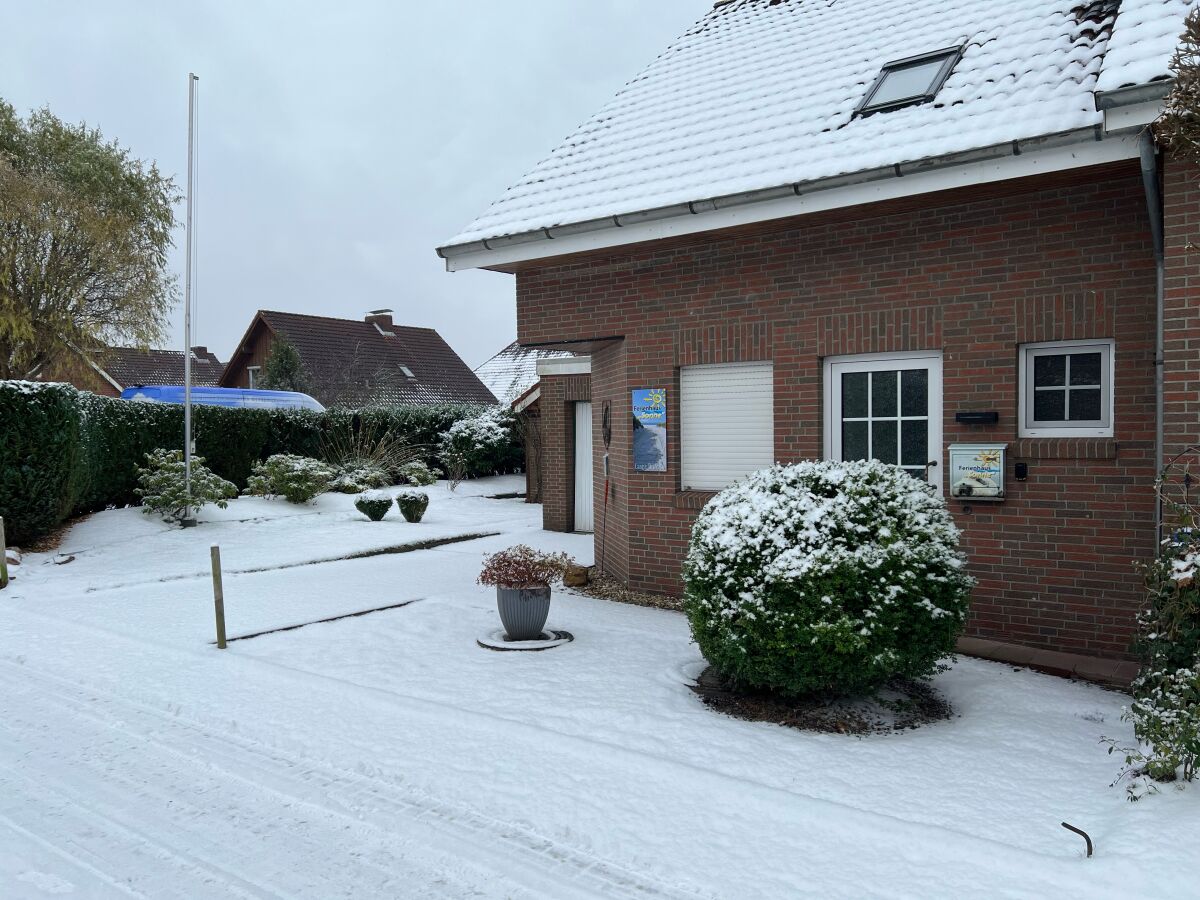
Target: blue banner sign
<point x="650" y="430"/>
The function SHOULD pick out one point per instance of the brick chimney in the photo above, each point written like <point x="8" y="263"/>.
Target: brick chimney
<point x="200" y="352"/>
<point x="380" y="318"/>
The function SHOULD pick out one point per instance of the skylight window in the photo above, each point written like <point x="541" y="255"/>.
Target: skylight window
<point x="905" y="82"/>
<point x="408" y="373"/>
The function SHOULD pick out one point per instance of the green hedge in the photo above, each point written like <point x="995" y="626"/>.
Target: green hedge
<point x="40" y="454"/>
<point x="65" y="452"/>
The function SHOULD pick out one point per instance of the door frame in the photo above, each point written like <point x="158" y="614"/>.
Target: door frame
<point x="583" y="463"/>
<point x="930" y="360"/>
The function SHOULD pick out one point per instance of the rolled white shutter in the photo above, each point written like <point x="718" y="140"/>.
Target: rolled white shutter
<point x="726" y="421"/>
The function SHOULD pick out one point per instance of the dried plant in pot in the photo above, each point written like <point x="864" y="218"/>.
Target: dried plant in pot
<point x="522" y="577"/>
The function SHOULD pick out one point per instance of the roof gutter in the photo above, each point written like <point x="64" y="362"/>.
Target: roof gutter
<point x="1025" y="157"/>
<point x="1133" y="94"/>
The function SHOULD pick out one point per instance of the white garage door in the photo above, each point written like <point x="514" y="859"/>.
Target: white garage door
<point x="583" y="467"/>
<point x="727" y="423"/>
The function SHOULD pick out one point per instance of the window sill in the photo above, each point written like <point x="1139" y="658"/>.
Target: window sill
<point x="693" y="499"/>
<point x="1065" y="448"/>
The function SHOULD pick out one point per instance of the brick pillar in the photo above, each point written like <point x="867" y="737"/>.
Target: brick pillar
<point x="559" y="394"/>
<point x="610" y="384"/>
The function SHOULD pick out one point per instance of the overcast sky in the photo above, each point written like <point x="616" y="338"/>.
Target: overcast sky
<point x="339" y="142"/>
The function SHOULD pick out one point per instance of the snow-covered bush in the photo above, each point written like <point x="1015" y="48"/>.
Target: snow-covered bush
<point x="373" y="505"/>
<point x="163" y="487"/>
<point x="412" y="504"/>
<point x="297" y="479"/>
<point x="825" y="577"/>
<point x="418" y="473"/>
<point x="476" y="445"/>
<point x="354" y="479"/>
<point x="1166" y="694"/>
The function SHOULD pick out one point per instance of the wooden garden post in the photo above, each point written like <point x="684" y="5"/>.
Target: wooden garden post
<point x="218" y="596"/>
<point x="3" y="558"/>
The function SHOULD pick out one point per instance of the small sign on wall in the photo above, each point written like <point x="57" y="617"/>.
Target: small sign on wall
<point x="977" y="471"/>
<point x="650" y="430"/>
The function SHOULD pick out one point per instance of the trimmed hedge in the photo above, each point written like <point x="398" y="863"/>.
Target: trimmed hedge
<point x="64" y="452"/>
<point x="40" y="456"/>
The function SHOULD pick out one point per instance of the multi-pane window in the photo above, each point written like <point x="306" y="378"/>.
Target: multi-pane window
<point x="1066" y="389"/>
<point x="886" y="407"/>
<point x="885" y="416"/>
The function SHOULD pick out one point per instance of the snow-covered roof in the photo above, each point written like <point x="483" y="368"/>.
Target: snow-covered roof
<point x="1145" y="38"/>
<point x="762" y="93"/>
<point x="513" y="371"/>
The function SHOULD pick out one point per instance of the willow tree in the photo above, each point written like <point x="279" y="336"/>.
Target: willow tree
<point x="85" y="230"/>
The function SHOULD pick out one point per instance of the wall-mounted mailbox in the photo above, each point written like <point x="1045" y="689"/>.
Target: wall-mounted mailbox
<point x="979" y="417"/>
<point x="977" y="471"/>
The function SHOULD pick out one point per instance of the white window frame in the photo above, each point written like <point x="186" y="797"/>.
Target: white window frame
<point x="930" y="360"/>
<point x="691" y="429"/>
<point x="1103" y="427"/>
<point x="253" y="374"/>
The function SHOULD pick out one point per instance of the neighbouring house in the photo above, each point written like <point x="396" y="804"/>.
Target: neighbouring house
<point x="932" y="234"/>
<point x="512" y="376"/>
<point x="352" y="363"/>
<point x="111" y="370"/>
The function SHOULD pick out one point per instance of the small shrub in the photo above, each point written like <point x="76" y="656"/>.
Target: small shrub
<point x="297" y="479"/>
<point x="163" y="486"/>
<point x="418" y="473"/>
<point x="523" y="567"/>
<point x="1165" y="711"/>
<point x="475" y="446"/>
<point x="825" y="578"/>
<point x="374" y="506"/>
<point x="412" y="505"/>
<point x="356" y="479"/>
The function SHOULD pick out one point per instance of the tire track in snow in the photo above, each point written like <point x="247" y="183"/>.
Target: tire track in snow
<point x="840" y="823"/>
<point x="370" y="807"/>
<point x="584" y="746"/>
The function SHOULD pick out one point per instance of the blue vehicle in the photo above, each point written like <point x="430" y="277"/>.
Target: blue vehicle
<point x="239" y="398"/>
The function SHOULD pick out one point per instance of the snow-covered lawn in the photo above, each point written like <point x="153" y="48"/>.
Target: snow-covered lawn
<point x="389" y="756"/>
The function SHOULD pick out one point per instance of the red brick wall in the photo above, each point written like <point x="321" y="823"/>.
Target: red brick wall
<point x="973" y="278"/>
<point x="1181" y="373"/>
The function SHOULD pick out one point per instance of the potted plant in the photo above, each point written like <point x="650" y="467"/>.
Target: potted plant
<point x="522" y="577"/>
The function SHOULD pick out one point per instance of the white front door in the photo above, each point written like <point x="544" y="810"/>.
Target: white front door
<point x="886" y="406"/>
<point x="583" y="467"/>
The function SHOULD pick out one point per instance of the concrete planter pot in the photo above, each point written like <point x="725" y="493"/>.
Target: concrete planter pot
<point x="523" y="611"/>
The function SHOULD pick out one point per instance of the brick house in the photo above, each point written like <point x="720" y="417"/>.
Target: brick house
<point x="353" y="363"/>
<point x="110" y="371"/>
<point x="824" y="239"/>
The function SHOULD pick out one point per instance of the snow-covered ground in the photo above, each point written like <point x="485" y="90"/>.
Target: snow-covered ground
<point x="389" y="756"/>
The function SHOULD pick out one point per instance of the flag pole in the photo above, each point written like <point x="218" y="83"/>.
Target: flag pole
<point x="188" y="520"/>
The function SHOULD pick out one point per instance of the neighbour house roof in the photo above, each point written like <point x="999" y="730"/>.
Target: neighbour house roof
<point x="761" y="95"/>
<point x="131" y="366"/>
<point x="356" y="363"/>
<point x="513" y="371"/>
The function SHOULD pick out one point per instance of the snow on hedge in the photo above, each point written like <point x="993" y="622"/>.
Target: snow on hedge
<point x="826" y="576"/>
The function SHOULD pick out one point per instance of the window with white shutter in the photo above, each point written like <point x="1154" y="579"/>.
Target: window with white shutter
<point x="726" y="422"/>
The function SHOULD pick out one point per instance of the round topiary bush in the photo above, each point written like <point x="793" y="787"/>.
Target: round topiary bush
<point x="825" y="578"/>
<point x="412" y="504"/>
<point x="373" y="505"/>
